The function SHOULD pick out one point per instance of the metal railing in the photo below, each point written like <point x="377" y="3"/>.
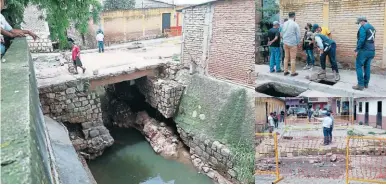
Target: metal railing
<point x="267" y="155"/>
<point x="366" y="159"/>
<point x="346" y="120"/>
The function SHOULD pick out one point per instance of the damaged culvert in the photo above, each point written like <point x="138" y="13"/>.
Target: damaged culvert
<point x="147" y="147"/>
<point x="206" y="130"/>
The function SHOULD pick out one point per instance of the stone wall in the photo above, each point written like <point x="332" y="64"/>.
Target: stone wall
<point x="219" y="39"/>
<point x="34" y="21"/>
<point x="195" y="20"/>
<point x="223" y="112"/>
<point x="26" y="153"/>
<point x="210" y="157"/>
<point x="164" y="95"/>
<point x="69" y="103"/>
<point x="333" y="14"/>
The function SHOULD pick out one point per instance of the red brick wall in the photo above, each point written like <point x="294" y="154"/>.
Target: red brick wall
<point x="342" y="16"/>
<point x="232" y="46"/>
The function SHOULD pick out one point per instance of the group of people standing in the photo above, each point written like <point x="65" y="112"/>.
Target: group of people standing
<point x="285" y="40"/>
<point x="274" y="119"/>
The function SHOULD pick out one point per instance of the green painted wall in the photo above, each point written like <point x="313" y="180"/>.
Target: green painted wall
<point x="24" y="155"/>
<point x="222" y="112"/>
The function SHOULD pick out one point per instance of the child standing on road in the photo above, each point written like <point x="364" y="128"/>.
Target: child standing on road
<point x="76" y="56"/>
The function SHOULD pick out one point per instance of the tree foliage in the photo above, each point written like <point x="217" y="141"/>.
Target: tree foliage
<point x="118" y="4"/>
<point x="269" y="9"/>
<point x="59" y="14"/>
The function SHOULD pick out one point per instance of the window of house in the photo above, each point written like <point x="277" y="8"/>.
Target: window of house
<point x="360" y="107"/>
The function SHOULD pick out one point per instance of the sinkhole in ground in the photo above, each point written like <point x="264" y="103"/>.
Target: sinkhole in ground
<point x="279" y="90"/>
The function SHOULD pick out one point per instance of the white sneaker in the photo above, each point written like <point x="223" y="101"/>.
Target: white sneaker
<point x="306" y="67"/>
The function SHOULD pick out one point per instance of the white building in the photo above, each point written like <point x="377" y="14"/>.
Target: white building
<point x="371" y="111"/>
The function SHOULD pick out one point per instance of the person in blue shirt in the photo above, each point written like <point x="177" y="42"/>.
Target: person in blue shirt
<point x="364" y="52"/>
<point x="274" y="47"/>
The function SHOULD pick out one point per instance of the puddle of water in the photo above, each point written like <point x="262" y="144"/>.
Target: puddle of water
<point x="131" y="160"/>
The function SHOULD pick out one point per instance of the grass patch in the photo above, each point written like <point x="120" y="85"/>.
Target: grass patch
<point x="371" y="133"/>
<point x="353" y="133"/>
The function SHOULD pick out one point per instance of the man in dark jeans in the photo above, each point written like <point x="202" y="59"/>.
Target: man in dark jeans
<point x="327" y="123"/>
<point x="332" y="126"/>
<point x="327" y="47"/>
<point x="274" y="48"/>
<point x="275" y="120"/>
<point x="365" y="52"/>
<point x="282" y="116"/>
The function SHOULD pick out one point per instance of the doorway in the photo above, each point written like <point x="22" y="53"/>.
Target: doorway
<point x="379" y="114"/>
<point x="165" y="21"/>
<point x="367" y="113"/>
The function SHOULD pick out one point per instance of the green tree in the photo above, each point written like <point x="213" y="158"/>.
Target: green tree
<point x="268" y="10"/>
<point x="118" y="5"/>
<point x="59" y="14"/>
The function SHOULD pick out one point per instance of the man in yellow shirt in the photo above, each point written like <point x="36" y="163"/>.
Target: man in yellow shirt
<point x="325" y="31"/>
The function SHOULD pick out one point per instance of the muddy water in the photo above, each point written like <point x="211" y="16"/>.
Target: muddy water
<point x="131" y="160"/>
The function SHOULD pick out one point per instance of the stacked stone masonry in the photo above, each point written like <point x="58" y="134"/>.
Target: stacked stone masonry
<point x="40" y="45"/>
<point x="193" y="34"/>
<point x="210" y="157"/>
<point x="341" y="24"/>
<point x="65" y="103"/>
<point x="34" y="21"/>
<point x="164" y="95"/>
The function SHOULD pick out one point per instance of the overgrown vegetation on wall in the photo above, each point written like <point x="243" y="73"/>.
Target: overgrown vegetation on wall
<point x="59" y="14"/>
<point x="224" y="113"/>
<point x="118" y="4"/>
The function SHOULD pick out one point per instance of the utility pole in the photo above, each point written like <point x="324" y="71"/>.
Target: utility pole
<point x="143" y="20"/>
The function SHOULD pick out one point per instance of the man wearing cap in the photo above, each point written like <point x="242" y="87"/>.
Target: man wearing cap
<point x="291" y="40"/>
<point x="364" y="52"/>
<point x="274" y="47"/>
<point x="327" y="47"/>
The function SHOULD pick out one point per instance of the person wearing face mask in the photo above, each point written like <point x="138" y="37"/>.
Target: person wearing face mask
<point x="364" y="52"/>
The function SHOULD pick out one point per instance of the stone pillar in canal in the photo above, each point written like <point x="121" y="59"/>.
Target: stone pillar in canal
<point x="71" y="103"/>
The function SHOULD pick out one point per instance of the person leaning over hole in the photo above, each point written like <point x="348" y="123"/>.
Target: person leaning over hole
<point x="327" y="47"/>
<point x="76" y="56"/>
<point x="364" y="52"/>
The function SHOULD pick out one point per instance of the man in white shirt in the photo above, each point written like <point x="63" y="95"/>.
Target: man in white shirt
<point x="271" y="122"/>
<point x="327" y="123"/>
<point x="100" y="37"/>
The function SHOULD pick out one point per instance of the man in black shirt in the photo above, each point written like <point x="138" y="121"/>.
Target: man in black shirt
<point x="274" y="43"/>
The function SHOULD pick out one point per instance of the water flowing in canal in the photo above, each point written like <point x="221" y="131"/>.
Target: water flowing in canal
<point x="131" y="160"/>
